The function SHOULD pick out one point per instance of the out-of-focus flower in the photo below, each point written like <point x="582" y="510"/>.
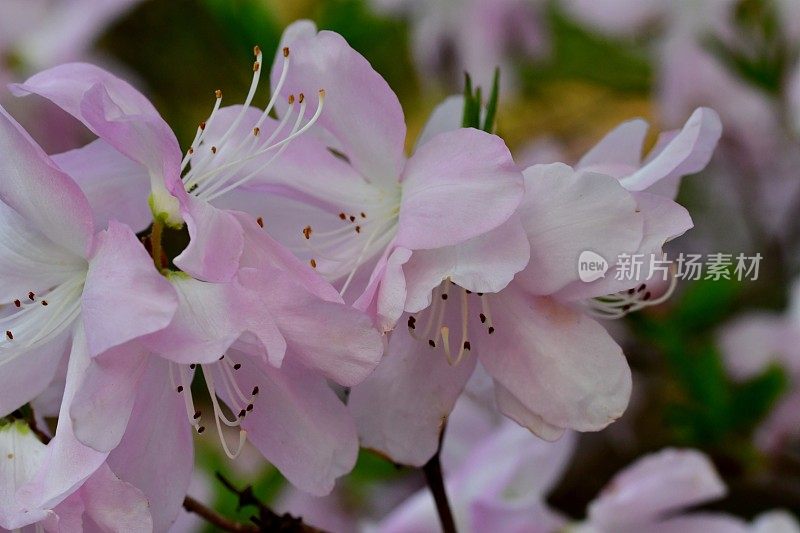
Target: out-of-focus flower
<point x="751" y="343"/>
<point x="451" y="37"/>
<point x="651" y="494"/>
<point x="103" y="500"/>
<point x="554" y="368"/>
<point x="69" y="291"/>
<point x="500" y="483"/>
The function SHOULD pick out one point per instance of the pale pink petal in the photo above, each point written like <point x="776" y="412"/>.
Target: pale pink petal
<point x="40" y="192"/>
<point x="68" y="463"/>
<point x="27" y="374"/>
<point x="560" y="364"/>
<point x="385" y="295"/>
<point x="29" y="260"/>
<point x="116" y="187"/>
<point x="103" y="403"/>
<point x="513" y="408"/>
<point x="401" y="408"/>
<point x="211" y="317"/>
<point x="619" y="153"/>
<point x="486" y="263"/>
<point x="688" y="152"/>
<point x="655" y="485"/>
<point x="704" y="522"/>
<point x="298" y="424"/>
<point x="447" y="116"/>
<point x="778" y="521"/>
<point x="22" y="456"/>
<point x="566" y="214"/>
<point x="751" y="342"/>
<point x="117" y="113"/>
<point x="125" y="297"/>
<point x="113" y="505"/>
<point x="330" y="337"/>
<point x="459" y="185"/>
<point x="156" y="454"/>
<point x="360" y="112"/>
<point x="216" y="241"/>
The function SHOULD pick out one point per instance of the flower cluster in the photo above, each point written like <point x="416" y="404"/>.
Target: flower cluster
<point x="334" y="292"/>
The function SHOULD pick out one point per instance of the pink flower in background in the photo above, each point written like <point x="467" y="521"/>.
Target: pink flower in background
<point x="754" y="341"/>
<point x="102" y="501"/>
<point x="451" y="37"/>
<point x="498" y="483"/>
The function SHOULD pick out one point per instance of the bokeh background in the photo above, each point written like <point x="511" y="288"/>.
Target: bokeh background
<point x="572" y="71"/>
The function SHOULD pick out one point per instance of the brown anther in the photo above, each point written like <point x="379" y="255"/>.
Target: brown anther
<point x="201" y="429"/>
<point x="256" y="66"/>
<point x="291" y="98"/>
<point x="260" y="222"/>
<point x="190" y="151"/>
<point x="483" y="318"/>
<point x="444" y="297"/>
<point x="358" y="229"/>
<point x="322" y="93"/>
<point x="468" y="291"/>
<point x="256" y="131"/>
<point x="218" y="94"/>
<point x="9" y="335"/>
<point x="431" y="343"/>
<point x="467" y="345"/>
<point x="285" y="51"/>
<point x="626" y="307"/>
<point x="491" y="330"/>
<point x="646" y="296"/>
<point x="300" y="98"/>
<point x="256" y="50"/>
<point x="31" y="296"/>
<point x="203" y="125"/>
<point x="237" y="366"/>
<point x="642" y="287"/>
<point x="180" y="388"/>
<point x="17" y="303"/>
<point x="631" y="291"/>
<point x="193" y="187"/>
<point x="249" y="406"/>
<point x="44" y="303"/>
<point x="342" y="216"/>
<point x="352" y="218"/>
<point x="255" y="391"/>
<point x="363" y="214"/>
<point x="411" y="324"/>
<point x="313" y="263"/>
<point x="213" y="149"/>
<point x="479" y="293"/>
<point x="221" y="357"/>
<point x="307" y="232"/>
<point x="196" y="415"/>
<point x="192" y="366"/>
<point x="242" y="413"/>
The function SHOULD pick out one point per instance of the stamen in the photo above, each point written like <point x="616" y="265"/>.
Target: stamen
<point x="614" y="306"/>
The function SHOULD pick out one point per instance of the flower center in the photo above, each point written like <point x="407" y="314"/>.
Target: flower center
<point x="237" y="403"/>
<point x="362" y="234"/>
<point x="241" y="154"/>
<point x="36" y="319"/>
<point x="447" y="316"/>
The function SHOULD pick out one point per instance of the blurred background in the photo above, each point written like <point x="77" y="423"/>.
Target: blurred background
<point x="716" y="368"/>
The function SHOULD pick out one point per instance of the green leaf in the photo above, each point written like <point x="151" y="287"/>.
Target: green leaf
<point x="491" y="106"/>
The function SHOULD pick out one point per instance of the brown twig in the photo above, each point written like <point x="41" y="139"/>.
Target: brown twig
<point x="435" y="480"/>
<point x="216" y="519"/>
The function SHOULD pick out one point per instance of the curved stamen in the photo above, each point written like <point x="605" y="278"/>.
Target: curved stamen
<point x="618" y="305"/>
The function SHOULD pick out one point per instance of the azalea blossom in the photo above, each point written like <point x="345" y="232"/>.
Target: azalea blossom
<point x="752" y="342"/>
<point x="264" y="329"/>
<point x="553" y="366"/>
<point x="70" y="291"/>
<point x="102" y="501"/>
<point x="456" y="36"/>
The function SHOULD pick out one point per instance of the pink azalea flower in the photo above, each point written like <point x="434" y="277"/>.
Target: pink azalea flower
<point x="69" y="290"/>
<point x="475" y="36"/>
<point x="103" y="500"/>
<point x="282" y="328"/>
<point x="752" y="342"/>
<point x="347" y="199"/>
<point x="553" y="366"/>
